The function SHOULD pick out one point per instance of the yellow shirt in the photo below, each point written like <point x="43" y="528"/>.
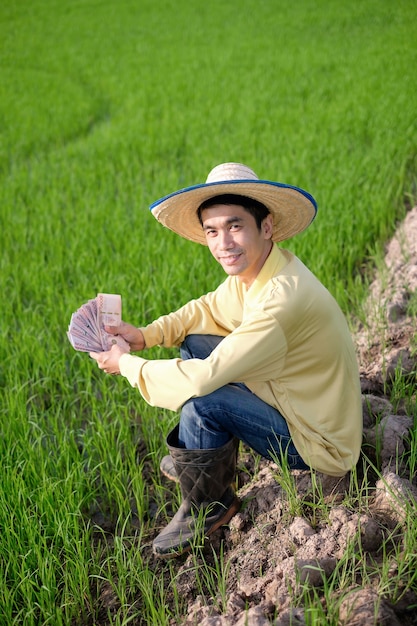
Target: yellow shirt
<point x="286" y="339"/>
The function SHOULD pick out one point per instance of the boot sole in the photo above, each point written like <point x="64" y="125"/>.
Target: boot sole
<point x="231" y="511"/>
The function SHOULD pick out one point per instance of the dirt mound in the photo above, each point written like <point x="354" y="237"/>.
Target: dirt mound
<point x="389" y="338"/>
<point x="281" y="539"/>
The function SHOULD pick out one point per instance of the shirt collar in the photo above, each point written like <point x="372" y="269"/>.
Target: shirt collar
<point x="272" y="266"/>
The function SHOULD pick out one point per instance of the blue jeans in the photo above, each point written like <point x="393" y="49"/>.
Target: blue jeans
<point x="233" y="411"/>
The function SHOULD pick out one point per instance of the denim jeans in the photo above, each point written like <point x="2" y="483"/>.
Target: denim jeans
<point x="233" y="411"/>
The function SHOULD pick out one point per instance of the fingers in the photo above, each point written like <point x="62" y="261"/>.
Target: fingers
<point x="112" y="330"/>
<point x="106" y="362"/>
<point x="100" y="358"/>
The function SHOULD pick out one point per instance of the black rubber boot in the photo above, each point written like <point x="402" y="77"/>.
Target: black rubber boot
<point x="208" y="498"/>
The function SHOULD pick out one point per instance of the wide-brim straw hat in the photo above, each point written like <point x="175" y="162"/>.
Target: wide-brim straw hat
<point x="292" y="208"/>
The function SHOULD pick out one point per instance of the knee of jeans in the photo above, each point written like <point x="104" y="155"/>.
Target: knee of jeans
<point x="196" y="413"/>
<point x="199" y="346"/>
<point x="189" y="412"/>
<point x="185" y="351"/>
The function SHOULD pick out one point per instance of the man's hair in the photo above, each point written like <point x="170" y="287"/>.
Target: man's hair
<point x="254" y="207"/>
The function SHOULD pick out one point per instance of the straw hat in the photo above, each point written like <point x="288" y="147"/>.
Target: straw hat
<point x="292" y="208"/>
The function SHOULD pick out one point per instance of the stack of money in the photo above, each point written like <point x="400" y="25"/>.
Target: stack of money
<point x="86" y="329"/>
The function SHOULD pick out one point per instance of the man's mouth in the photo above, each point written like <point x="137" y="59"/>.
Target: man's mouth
<point x="230" y="259"/>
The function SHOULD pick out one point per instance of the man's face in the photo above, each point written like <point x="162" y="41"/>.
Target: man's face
<point x="235" y="241"/>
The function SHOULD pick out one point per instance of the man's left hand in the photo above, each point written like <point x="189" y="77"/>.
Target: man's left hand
<point x="109" y="361"/>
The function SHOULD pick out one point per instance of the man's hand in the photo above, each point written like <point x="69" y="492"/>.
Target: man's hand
<point x="109" y="361"/>
<point x="130" y="333"/>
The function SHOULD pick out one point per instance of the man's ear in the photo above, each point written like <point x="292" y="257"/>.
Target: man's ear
<point x="268" y="226"/>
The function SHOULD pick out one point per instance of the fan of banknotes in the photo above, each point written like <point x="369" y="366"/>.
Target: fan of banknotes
<point x="86" y="328"/>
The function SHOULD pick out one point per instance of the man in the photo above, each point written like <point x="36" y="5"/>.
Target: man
<point x="267" y="358"/>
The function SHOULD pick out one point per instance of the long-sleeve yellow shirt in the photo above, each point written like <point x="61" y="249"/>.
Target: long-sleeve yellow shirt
<point x="286" y="339"/>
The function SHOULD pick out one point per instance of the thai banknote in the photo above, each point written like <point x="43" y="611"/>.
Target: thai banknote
<point x="86" y="331"/>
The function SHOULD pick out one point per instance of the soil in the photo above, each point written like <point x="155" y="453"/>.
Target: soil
<point x="275" y="544"/>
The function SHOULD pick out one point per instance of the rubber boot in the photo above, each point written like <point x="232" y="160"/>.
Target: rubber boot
<point x="208" y="498"/>
<point x="167" y="467"/>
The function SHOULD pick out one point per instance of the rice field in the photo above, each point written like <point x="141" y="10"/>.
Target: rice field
<point x="105" y="107"/>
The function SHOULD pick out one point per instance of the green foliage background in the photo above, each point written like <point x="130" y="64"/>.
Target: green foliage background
<point x="104" y="107"/>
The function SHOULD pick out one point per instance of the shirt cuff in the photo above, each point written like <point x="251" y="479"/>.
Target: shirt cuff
<point x="130" y="367"/>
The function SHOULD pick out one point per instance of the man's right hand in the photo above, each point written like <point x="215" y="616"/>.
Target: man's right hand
<point x="130" y="333"/>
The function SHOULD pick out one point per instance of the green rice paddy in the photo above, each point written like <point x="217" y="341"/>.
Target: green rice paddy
<point x="105" y="107"/>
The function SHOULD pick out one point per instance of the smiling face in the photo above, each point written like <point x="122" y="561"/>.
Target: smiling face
<point x="235" y="240"/>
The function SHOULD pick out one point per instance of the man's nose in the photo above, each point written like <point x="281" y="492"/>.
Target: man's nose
<point x="226" y="240"/>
